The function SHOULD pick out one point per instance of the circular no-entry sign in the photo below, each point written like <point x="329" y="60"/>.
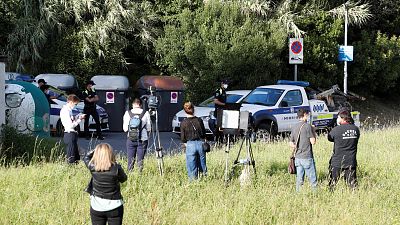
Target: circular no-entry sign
<point x="110" y="97"/>
<point x="296" y="47"/>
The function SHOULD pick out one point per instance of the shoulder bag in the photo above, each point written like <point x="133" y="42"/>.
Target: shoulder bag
<point x="206" y="146"/>
<point x="292" y="166"/>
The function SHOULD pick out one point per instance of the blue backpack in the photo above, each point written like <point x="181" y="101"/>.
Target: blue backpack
<point x="135" y="126"/>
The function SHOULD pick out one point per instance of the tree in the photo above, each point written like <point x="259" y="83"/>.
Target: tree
<point x="219" y="41"/>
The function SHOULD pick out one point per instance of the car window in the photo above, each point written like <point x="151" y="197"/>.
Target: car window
<point x="230" y="98"/>
<point x="233" y="98"/>
<point x="292" y="98"/>
<point x="264" y="96"/>
<point x="209" y="102"/>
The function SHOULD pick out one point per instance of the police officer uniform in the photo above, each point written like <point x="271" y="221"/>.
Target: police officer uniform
<point x="220" y="95"/>
<point x="90" y="110"/>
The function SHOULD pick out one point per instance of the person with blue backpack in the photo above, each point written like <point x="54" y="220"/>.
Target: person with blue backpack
<point x="137" y="124"/>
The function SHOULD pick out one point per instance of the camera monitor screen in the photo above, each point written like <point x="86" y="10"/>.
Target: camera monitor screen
<point x="230" y="119"/>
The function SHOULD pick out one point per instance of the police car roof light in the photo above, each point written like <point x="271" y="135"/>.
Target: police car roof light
<point x="290" y="82"/>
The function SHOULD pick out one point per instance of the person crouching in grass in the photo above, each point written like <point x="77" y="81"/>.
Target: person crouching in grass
<point x="302" y="138"/>
<point x="106" y="203"/>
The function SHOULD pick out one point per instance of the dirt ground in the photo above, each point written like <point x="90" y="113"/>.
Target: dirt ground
<point x="378" y="112"/>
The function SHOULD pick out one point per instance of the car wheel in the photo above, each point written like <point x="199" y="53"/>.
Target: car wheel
<point x="266" y="131"/>
<point x="59" y="129"/>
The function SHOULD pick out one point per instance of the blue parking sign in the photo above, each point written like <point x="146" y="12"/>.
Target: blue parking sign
<point x="345" y="53"/>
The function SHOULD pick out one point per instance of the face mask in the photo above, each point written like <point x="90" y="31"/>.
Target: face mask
<point x="338" y="122"/>
<point x="225" y="86"/>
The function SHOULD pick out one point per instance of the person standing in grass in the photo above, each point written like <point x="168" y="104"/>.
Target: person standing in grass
<point x="69" y="123"/>
<point x="106" y="204"/>
<point x="137" y="134"/>
<point x="302" y="138"/>
<point x="344" y="161"/>
<point x="192" y="133"/>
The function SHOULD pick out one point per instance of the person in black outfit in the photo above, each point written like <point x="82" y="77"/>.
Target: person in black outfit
<point x="90" y="98"/>
<point x="344" y="161"/>
<point x="192" y="133"/>
<point x="106" y="204"/>
<point x="219" y="103"/>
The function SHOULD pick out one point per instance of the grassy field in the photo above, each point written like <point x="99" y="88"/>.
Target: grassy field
<point x="52" y="193"/>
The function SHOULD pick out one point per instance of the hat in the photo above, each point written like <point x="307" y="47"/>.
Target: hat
<point x="224" y="81"/>
<point x="90" y="82"/>
<point x="42" y="81"/>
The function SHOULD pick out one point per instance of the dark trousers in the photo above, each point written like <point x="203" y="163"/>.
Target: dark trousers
<point x="349" y="175"/>
<point x="114" y="216"/>
<point x="134" y="151"/>
<point x="71" y="150"/>
<point x="91" y="112"/>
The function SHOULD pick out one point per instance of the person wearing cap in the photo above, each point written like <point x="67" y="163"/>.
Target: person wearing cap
<point x="41" y="82"/>
<point x="219" y="102"/>
<point x="90" y="98"/>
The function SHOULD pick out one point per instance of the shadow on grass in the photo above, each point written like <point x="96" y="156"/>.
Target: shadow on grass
<point x="276" y="168"/>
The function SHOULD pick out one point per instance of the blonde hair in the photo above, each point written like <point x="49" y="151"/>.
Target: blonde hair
<point x="103" y="157"/>
<point x="188" y="108"/>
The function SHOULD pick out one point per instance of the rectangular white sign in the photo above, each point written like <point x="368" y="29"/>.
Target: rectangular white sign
<point x="110" y="97"/>
<point x="174" y="97"/>
<point x="296" y="51"/>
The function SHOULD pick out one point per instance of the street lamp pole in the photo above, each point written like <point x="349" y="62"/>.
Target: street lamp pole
<point x="345" y="44"/>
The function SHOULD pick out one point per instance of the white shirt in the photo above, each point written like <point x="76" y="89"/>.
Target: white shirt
<point x="102" y="205"/>
<point x="146" y="122"/>
<point x="67" y="120"/>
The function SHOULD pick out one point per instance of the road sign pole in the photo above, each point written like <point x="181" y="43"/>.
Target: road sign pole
<point x="345" y="44"/>
<point x="2" y="93"/>
<point x="295" y="72"/>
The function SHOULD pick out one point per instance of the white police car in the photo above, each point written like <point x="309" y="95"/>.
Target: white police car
<point x="205" y="108"/>
<point x="274" y="108"/>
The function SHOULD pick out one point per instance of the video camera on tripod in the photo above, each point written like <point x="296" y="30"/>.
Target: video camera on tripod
<point x="233" y="121"/>
<point x="151" y="104"/>
<point x="151" y="100"/>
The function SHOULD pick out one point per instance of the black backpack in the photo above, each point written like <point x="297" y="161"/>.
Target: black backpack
<point x="135" y="126"/>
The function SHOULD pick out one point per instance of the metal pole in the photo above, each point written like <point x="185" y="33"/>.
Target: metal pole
<point x="345" y="44"/>
<point x="2" y="94"/>
<point x="295" y="72"/>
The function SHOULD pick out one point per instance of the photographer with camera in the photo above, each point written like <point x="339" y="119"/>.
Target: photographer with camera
<point x="192" y="133"/>
<point x="137" y="124"/>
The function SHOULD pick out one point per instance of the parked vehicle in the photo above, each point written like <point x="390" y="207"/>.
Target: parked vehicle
<point x="274" y="108"/>
<point x="205" y="108"/>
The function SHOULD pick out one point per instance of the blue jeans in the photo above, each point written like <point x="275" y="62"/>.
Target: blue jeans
<point x="306" y="166"/>
<point x="195" y="159"/>
<point x="134" y="151"/>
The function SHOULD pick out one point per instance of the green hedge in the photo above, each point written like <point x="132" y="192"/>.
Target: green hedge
<point x="17" y="148"/>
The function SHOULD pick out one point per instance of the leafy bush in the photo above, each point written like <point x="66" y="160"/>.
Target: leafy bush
<point x="25" y="149"/>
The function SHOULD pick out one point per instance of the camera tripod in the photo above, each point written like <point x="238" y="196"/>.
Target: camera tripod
<point x="246" y="162"/>
<point x="155" y="134"/>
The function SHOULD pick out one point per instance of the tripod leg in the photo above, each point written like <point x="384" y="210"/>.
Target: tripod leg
<point x="226" y="162"/>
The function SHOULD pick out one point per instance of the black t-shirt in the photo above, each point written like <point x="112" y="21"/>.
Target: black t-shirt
<point x="220" y="94"/>
<point x="345" y="138"/>
<point x="89" y="94"/>
<point x="188" y="133"/>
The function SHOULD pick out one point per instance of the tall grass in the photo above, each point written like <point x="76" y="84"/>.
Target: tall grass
<point x="52" y="193"/>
